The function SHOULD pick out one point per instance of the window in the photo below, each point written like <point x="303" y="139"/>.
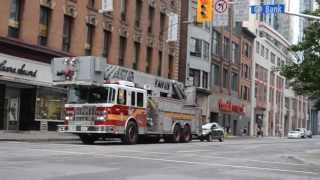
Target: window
<point x="226" y="47"/>
<point x="278" y="61"/>
<point x="205" y="80"/>
<point x="206" y="47"/>
<point x="133" y="98"/>
<point x="267" y="53"/>
<point x="258" y="47"/>
<point x="91" y="4"/>
<point x="138" y="12"/>
<point x="106" y="43"/>
<point x="151" y="19"/>
<point x="216" y="75"/>
<point x="273" y="58"/>
<point x="44" y="25"/>
<point x="162" y="23"/>
<point x="234" y="81"/>
<point x="171" y="65"/>
<point x="246" y="50"/>
<point x="14" y="18"/>
<point x="225" y="78"/>
<point x="122" y="97"/>
<point x="123" y="10"/>
<point x="89" y="39"/>
<point x="195" y="74"/>
<point x="67" y="29"/>
<point x="49" y="104"/>
<point x="140" y="99"/>
<point x="122" y="50"/>
<point x="262" y="50"/>
<point x="216" y="43"/>
<point x="235" y="53"/>
<point x="149" y="59"/>
<point x="160" y="63"/>
<point x="195" y="47"/>
<point x="136" y="55"/>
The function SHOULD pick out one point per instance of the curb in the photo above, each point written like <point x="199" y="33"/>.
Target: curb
<point x="37" y="140"/>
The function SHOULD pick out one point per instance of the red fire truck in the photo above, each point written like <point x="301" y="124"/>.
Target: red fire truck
<point x="108" y="101"/>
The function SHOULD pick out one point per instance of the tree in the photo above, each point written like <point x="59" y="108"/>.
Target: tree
<point x="304" y="76"/>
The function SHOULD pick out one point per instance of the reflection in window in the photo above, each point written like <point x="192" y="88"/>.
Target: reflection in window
<point x="50" y="105"/>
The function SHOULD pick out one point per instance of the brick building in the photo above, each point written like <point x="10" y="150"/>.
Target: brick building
<point x="32" y="32"/>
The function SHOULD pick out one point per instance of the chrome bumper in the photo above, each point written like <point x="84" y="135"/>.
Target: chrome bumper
<point x="94" y="129"/>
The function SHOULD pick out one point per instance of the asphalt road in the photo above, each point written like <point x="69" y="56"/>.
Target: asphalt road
<point x="240" y="159"/>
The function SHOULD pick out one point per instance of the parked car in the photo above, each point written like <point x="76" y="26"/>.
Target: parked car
<point x="303" y="132"/>
<point x="295" y="134"/>
<point x="309" y="133"/>
<point x="212" y="131"/>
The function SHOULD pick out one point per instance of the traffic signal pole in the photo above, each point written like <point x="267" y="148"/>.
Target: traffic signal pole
<point x="307" y="16"/>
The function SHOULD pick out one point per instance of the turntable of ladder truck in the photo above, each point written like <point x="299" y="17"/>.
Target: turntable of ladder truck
<point x="108" y="101"/>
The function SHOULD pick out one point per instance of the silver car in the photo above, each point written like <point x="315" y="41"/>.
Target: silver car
<point x="212" y="131"/>
<point x="295" y="135"/>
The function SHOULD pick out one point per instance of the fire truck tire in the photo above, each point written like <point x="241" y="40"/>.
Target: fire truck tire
<point x="131" y="135"/>
<point x="87" y="139"/>
<point x="186" y="135"/>
<point x="176" y="136"/>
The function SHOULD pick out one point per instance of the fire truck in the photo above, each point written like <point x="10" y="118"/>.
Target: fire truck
<point x="108" y="101"/>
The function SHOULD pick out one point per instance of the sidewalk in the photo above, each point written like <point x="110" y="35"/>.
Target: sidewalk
<point x="36" y="136"/>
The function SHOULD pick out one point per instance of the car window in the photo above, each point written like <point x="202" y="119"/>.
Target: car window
<point x="214" y="126"/>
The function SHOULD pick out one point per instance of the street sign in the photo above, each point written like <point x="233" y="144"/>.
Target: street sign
<point x="221" y="6"/>
<point x="241" y="10"/>
<point x="220" y="19"/>
<point x="268" y="9"/>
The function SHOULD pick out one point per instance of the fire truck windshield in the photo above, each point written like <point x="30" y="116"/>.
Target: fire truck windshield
<point x="85" y="94"/>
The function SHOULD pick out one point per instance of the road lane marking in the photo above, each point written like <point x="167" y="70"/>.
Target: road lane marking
<point x="181" y="162"/>
<point x="250" y="160"/>
<point x="204" y="156"/>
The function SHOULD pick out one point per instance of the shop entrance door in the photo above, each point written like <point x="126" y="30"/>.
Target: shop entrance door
<point x="12" y="108"/>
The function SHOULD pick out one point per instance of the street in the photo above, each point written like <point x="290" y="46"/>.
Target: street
<point x="241" y="158"/>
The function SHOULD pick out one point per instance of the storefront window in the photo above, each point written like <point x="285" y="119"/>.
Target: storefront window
<point x="50" y="104"/>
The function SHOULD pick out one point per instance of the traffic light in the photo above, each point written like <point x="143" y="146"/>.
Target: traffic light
<point x="204" y="11"/>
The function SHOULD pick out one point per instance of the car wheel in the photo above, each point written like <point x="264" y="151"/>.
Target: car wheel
<point x="201" y="138"/>
<point x="221" y="139"/>
<point x="209" y="138"/>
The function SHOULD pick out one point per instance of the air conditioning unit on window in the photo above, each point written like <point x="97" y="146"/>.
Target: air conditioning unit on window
<point x="108" y="26"/>
<point x="47" y="3"/>
<point x="71" y="11"/>
<point x="152" y="3"/>
<point x="91" y="20"/>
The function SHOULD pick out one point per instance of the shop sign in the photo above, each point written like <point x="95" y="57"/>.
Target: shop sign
<point x="17" y="70"/>
<point x="25" y="70"/>
<point x="229" y="107"/>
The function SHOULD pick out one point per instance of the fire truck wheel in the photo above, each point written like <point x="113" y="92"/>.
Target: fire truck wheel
<point x="131" y="136"/>
<point x="176" y="134"/>
<point x="186" y="136"/>
<point x="87" y="139"/>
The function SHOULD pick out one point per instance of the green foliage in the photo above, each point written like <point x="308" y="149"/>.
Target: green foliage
<point x="304" y="76"/>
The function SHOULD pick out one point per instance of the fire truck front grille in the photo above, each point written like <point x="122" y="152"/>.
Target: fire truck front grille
<point x="85" y="113"/>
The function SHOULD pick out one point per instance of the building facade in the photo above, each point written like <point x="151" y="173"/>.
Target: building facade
<point x="277" y="108"/>
<point x="194" y="62"/>
<point x="133" y="35"/>
<point x="231" y="76"/>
